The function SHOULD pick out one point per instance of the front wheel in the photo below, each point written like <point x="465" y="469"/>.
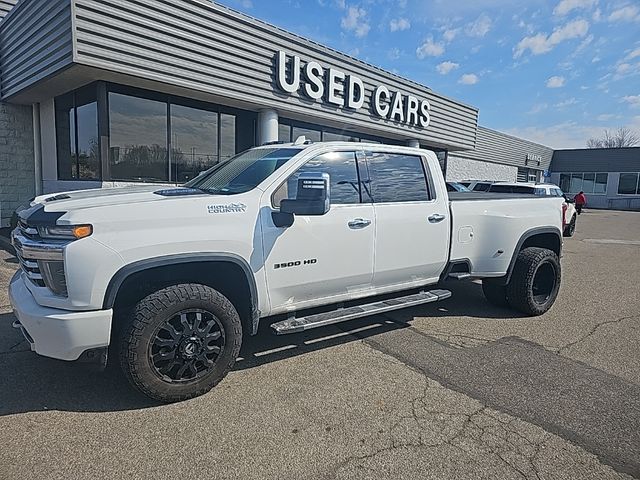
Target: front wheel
<point x="181" y="341"/>
<point x="535" y="281"/>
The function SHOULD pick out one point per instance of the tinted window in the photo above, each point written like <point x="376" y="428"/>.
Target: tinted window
<point x="628" y="184"/>
<point x="514" y="189"/>
<point x="397" y="178"/>
<point x="77" y="135"/>
<point x="309" y="133"/>
<point x="341" y="167"/>
<point x="601" y="183"/>
<point x="194" y="141"/>
<point x="481" y="187"/>
<point x="138" y="129"/>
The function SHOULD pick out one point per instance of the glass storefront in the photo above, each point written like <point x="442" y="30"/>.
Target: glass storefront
<point x="77" y="135"/>
<point x="151" y="137"/>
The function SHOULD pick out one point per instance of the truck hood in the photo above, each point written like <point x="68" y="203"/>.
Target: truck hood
<point x="81" y="199"/>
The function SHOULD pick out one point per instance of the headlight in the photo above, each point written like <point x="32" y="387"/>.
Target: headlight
<point x="65" y="232"/>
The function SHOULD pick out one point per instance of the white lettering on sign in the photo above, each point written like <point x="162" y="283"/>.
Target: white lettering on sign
<point x="336" y="88"/>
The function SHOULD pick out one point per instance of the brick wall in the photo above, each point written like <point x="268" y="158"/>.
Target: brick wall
<point x="17" y="177"/>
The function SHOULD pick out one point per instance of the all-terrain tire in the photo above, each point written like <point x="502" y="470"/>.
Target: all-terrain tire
<point x="570" y="229"/>
<point x="153" y="314"/>
<point x="495" y="291"/>
<point x="535" y="281"/>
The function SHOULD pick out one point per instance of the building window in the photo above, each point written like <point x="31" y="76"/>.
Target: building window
<point x="194" y="141"/>
<point x="593" y="183"/>
<point x="151" y="137"/>
<point x="77" y="135"/>
<point x="628" y="184"/>
<point x="290" y="130"/>
<point x="138" y="139"/>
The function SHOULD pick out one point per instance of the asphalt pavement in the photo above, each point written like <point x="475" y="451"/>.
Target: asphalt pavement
<point x="458" y="389"/>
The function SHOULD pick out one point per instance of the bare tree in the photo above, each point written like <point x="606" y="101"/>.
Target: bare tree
<point x="620" y="138"/>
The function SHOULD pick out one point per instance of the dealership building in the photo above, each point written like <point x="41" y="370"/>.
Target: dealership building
<point x="101" y="93"/>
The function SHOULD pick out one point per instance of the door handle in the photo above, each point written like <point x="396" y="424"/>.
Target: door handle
<point x="357" y="223"/>
<point x="436" y="217"/>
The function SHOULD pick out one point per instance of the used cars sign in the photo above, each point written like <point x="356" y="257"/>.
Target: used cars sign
<point x="333" y="86"/>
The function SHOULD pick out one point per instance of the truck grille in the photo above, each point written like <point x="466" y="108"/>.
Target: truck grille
<point x="29" y="267"/>
<point x="40" y="260"/>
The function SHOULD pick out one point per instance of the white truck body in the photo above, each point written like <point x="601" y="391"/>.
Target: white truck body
<point x="352" y="251"/>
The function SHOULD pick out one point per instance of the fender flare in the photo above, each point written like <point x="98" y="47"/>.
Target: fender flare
<point x="525" y="236"/>
<point x="141" y="265"/>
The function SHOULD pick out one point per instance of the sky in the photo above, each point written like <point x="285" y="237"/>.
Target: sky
<point x="553" y="71"/>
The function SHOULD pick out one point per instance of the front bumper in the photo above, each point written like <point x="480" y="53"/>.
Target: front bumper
<point x="55" y="333"/>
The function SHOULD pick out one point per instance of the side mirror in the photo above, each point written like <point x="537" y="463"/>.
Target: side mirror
<point x="313" y="198"/>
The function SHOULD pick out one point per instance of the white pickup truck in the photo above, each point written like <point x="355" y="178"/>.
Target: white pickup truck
<point x="299" y="235"/>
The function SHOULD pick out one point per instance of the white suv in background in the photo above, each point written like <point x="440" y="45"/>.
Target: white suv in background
<point x="544" y="190"/>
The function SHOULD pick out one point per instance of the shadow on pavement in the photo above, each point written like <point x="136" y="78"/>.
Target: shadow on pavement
<point x="589" y="407"/>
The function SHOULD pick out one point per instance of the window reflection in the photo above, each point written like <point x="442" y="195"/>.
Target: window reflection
<point x="309" y="133"/>
<point x="341" y="167"/>
<point x="227" y="136"/>
<point x="194" y="141"/>
<point x="138" y="129"/>
<point x="397" y="178"/>
<point x="77" y="135"/>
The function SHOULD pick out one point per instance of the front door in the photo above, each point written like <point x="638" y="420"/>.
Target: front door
<point x="320" y="258"/>
<point x="412" y="221"/>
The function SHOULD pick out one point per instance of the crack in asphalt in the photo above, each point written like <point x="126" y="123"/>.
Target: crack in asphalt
<point x="593" y="330"/>
<point x="481" y="427"/>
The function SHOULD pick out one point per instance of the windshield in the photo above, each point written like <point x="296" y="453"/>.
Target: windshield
<point x="242" y="172"/>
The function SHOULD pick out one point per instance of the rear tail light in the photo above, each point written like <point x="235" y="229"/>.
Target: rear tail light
<point x="564" y="215"/>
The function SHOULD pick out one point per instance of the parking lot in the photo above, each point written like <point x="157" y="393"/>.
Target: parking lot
<point x="458" y="389"/>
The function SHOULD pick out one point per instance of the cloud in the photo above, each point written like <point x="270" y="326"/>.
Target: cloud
<point x="537" y="108"/>
<point x="446" y="67"/>
<point x="480" y="27"/>
<point x="566" y="103"/>
<point x="541" y="43"/>
<point x="632" y="100"/>
<point x="429" y="48"/>
<point x="555" y="82"/>
<point x="469" y="79"/>
<point x="450" y="33"/>
<point x="394" y="54"/>
<point x="630" y="13"/>
<point x="605" y="117"/>
<point x="246" y="4"/>
<point x="566" y="6"/>
<point x="399" y="24"/>
<point x="633" y="54"/>
<point x="356" y="21"/>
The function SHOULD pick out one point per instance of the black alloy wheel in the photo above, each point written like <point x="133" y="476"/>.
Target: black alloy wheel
<point x="187" y="345"/>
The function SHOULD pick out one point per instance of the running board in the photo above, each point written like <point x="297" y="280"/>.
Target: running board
<point x="296" y="325"/>
<point x="459" y="275"/>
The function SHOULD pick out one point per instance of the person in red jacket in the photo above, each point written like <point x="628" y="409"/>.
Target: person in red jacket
<point x="581" y="201"/>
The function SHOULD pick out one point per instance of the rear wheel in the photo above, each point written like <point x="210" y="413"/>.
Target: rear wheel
<point x="495" y="292"/>
<point x="570" y="229"/>
<point x="535" y="281"/>
<point x="181" y="341"/>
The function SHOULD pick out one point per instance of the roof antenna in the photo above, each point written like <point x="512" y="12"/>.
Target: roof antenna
<point x="301" y="140"/>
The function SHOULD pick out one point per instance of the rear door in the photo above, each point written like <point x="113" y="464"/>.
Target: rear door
<point x="411" y="221"/>
<point x="320" y="258"/>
